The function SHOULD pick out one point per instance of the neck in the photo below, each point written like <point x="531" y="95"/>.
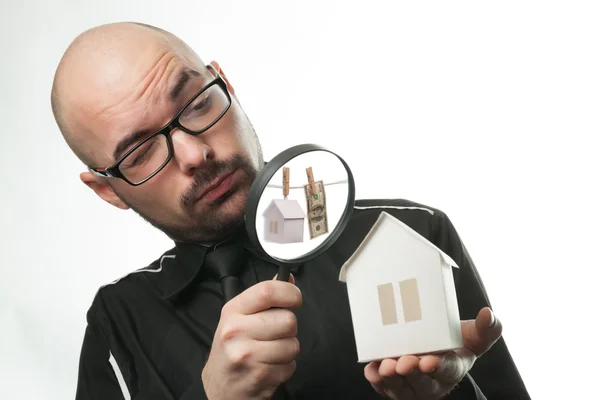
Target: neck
<point x="210" y="243"/>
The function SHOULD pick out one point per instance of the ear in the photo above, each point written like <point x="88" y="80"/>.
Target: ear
<point x="220" y="71"/>
<point x="102" y="189"/>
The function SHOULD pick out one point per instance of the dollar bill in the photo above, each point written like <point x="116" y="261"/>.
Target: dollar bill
<point x="316" y="207"/>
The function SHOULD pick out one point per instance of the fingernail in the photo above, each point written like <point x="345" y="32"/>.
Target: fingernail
<point x="492" y="319"/>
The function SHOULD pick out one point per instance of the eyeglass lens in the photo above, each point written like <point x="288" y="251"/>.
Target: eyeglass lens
<point x="154" y="153"/>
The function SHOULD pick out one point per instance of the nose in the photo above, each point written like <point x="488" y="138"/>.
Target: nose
<point x="190" y="151"/>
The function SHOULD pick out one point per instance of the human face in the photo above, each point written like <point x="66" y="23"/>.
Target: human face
<point x="201" y="193"/>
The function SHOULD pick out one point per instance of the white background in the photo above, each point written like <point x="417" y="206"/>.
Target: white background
<point x="488" y="111"/>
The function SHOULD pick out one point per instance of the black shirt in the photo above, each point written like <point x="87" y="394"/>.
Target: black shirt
<point x="149" y="333"/>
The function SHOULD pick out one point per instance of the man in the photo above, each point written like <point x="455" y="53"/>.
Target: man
<point x="163" y="134"/>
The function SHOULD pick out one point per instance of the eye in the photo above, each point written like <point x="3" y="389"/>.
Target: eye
<point x="139" y="155"/>
<point x="199" y="107"/>
<point x="202" y="104"/>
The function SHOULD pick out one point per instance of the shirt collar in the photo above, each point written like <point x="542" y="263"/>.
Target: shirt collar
<point x="188" y="261"/>
<point x="184" y="267"/>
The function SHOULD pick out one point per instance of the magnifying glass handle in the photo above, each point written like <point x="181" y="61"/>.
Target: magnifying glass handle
<point x="284" y="273"/>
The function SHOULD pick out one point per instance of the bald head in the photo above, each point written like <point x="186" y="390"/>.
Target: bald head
<point x="104" y="70"/>
<point x="116" y="88"/>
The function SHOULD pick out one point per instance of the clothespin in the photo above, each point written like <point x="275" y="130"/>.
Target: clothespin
<point x="311" y="180"/>
<point x="286" y="182"/>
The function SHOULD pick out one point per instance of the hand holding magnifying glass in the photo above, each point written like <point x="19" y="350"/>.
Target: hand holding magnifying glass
<point x="297" y="207"/>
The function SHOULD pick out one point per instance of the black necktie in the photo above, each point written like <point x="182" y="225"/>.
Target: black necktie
<point x="225" y="263"/>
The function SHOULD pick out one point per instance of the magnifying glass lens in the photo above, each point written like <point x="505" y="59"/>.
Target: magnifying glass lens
<point x="301" y="205"/>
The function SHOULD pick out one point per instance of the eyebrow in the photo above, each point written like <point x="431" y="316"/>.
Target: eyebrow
<point x="180" y="83"/>
<point x="182" y="79"/>
<point x="128" y="141"/>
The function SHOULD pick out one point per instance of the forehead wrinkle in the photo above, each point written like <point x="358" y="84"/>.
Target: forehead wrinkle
<point x="155" y="76"/>
<point x="144" y="88"/>
<point x="132" y="104"/>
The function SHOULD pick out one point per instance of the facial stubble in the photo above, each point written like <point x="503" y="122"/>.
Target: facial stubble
<point x="218" y="219"/>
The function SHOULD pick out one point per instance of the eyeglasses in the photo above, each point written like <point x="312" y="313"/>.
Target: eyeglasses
<point x="150" y="156"/>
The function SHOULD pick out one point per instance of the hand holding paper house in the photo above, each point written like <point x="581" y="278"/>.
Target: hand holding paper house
<point x="401" y="292"/>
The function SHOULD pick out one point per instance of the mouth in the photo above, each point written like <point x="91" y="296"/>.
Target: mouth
<point x="217" y="188"/>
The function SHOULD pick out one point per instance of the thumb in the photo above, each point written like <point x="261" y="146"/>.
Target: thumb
<point x="479" y="335"/>
<point x="291" y="279"/>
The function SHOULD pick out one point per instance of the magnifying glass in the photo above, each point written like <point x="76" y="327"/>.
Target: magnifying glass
<point x="298" y="205"/>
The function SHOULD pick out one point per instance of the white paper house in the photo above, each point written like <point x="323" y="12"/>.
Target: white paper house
<point x="401" y="292"/>
<point x="284" y="222"/>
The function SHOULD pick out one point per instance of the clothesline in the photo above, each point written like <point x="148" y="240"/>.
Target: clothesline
<point x="302" y="187"/>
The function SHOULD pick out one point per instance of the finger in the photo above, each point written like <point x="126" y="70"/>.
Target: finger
<point x="269" y="376"/>
<point x="450" y="370"/>
<point x="488" y="324"/>
<point x="422" y="385"/>
<point x="429" y="363"/>
<point x="391" y="385"/>
<point x="372" y="373"/>
<point x="291" y="278"/>
<point x="281" y="351"/>
<point x="406" y="365"/>
<point x="396" y="387"/>
<point x="265" y="295"/>
<point x="283" y="372"/>
<point x="387" y="367"/>
<point x="271" y="324"/>
<point x="479" y="335"/>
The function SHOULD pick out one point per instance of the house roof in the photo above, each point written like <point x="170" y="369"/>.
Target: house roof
<point x="290" y="209"/>
<point x="383" y="217"/>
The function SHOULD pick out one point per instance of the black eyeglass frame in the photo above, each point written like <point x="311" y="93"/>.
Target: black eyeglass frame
<point x="114" y="172"/>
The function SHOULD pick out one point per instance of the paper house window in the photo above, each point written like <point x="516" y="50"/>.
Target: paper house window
<point x="409" y="295"/>
<point x="285" y="220"/>
<point x="401" y="293"/>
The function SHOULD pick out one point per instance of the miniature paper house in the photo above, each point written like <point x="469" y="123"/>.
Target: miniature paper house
<point x="401" y="292"/>
<point x="284" y="222"/>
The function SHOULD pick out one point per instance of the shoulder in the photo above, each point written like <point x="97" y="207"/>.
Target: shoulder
<point x="430" y="222"/>
<point x="423" y="218"/>
<point x="129" y="289"/>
